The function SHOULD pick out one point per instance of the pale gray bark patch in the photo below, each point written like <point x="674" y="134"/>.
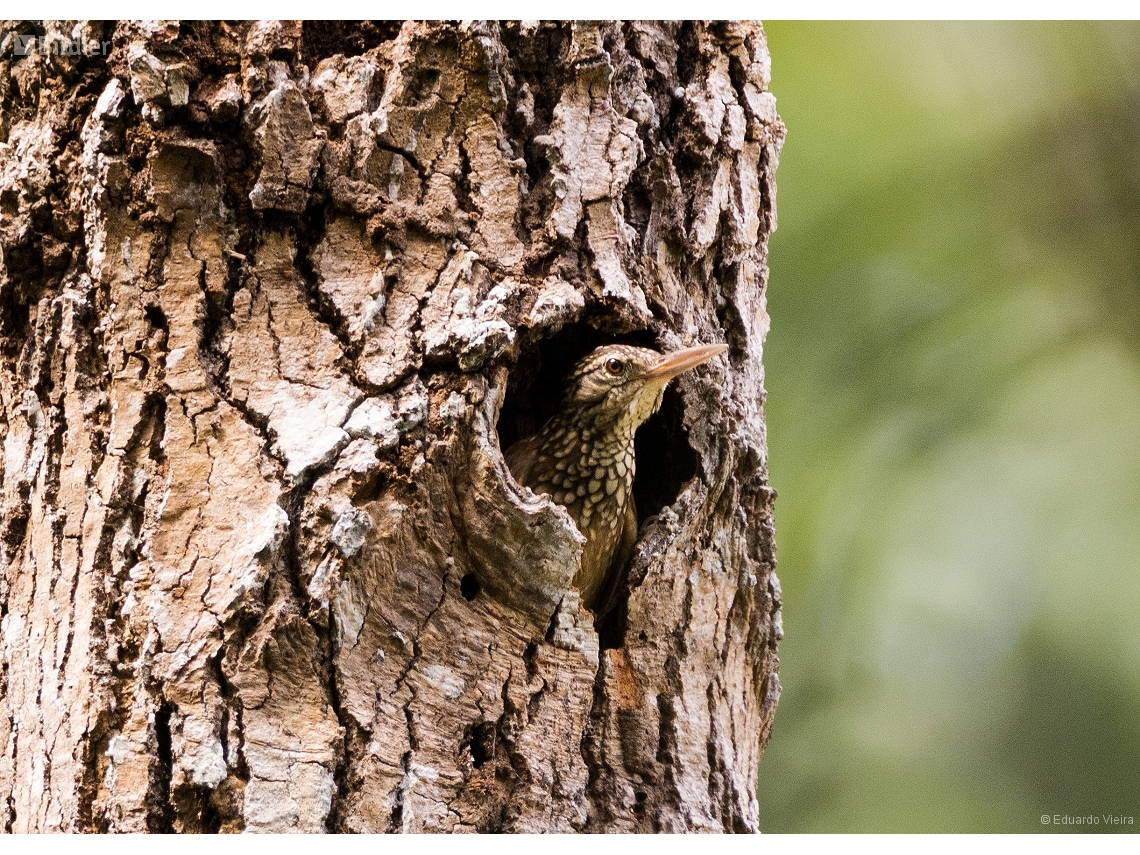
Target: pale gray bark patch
<point x="266" y="292"/>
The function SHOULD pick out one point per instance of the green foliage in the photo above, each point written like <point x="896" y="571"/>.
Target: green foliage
<point x="954" y="426"/>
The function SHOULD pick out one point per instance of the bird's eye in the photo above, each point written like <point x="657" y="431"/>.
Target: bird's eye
<point x="615" y="366"/>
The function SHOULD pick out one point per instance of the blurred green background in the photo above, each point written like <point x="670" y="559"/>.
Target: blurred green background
<point x="953" y="380"/>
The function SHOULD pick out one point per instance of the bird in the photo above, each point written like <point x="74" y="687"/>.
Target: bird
<point x="583" y="457"/>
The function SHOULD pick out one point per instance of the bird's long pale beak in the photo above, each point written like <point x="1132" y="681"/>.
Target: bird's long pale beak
<point x="672" y="364"/>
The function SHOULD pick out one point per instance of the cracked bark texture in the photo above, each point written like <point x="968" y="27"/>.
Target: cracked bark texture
<point x="266" y="290"/>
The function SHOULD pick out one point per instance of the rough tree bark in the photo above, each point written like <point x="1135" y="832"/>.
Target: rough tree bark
<point x="273" y="298"/>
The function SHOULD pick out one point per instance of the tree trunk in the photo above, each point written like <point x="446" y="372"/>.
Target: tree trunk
<point x="274" y="298"/>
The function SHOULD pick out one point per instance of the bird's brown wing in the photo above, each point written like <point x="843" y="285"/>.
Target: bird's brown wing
<point x="628" y="538"/>
<point x="619" y="567"/>
<point x="520" y="458"/>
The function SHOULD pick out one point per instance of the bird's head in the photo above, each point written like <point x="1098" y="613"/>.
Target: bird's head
<point x="619" y="383"/>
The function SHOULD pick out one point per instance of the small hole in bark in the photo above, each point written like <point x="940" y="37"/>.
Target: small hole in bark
<point x="156" y="318"/>
<point x="469" y="587"/>
<point x="640" y="798"/>
<point x="483" y="740"/>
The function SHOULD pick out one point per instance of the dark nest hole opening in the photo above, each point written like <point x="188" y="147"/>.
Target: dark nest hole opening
<point x="481" y="741"/>
<point x="469" y="586"/>
<point x="665" y="460"/>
